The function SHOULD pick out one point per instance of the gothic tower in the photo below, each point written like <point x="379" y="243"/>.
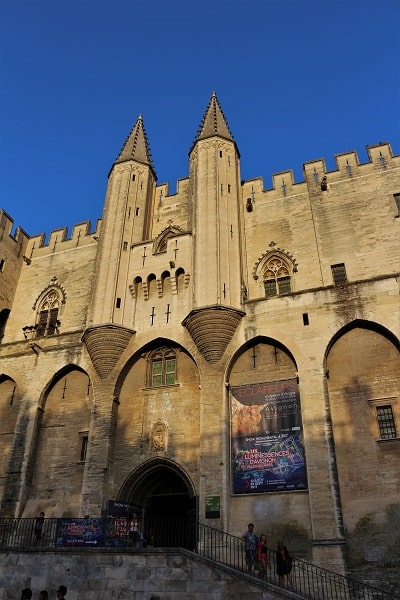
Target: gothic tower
<point x="126" y="221"/>
<point x="217" y="246"/>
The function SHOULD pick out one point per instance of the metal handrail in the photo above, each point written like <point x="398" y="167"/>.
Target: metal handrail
<point x="306" y="579"/>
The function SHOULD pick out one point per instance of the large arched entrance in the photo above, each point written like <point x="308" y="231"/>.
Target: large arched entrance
<point x="166" y="498"/>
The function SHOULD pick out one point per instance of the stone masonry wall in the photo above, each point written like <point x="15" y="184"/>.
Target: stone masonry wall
<point x="150" y="575"/>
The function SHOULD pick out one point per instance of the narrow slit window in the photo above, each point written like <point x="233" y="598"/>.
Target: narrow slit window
<point x="397" y="203"/>
<point x="84" y="447"/>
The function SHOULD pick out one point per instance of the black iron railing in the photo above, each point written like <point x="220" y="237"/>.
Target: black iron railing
<point x="307" y="579"/>
<point x="99" y="533"/>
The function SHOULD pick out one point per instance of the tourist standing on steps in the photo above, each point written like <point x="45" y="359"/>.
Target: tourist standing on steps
<point x="250" y="547"/>
<point x="262" y="555"/>
<point x="283" y="565"/>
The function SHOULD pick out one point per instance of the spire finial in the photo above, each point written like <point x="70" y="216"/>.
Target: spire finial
<point x="136" y="146"/>
<point x="213" y="123"/>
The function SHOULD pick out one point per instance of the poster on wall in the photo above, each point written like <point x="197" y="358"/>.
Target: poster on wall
<point x="267" y="438"/>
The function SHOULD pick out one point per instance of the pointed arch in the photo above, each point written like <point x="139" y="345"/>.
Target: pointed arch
<point x="139" y="484"/>
<point x="61" y="442"/>
<point x="47" y="306"/>
<point x="160" y="242"/>
<point x="363" y="324"/>
<point x="275" y="270"/>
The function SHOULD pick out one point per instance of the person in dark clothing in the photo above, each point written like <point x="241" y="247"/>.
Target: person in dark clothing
<point x="283" y="565"/>
<point x="61" y="592"/>
<point x="37" y="531"/>
<point x="26" y="594"/>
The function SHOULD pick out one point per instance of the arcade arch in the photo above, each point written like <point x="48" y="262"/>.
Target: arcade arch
<point x="156" y="441"/>
<point x="362" y="367"/>
<point x="61" y="433"/>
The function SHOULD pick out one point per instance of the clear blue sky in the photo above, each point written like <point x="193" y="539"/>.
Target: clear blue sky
<point x="297" y="80"/>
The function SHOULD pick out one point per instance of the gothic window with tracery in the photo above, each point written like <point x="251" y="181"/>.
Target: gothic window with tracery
<point x="277" y="280"/>
<point x="47" y="318"/>
<point x="162" y="367"/>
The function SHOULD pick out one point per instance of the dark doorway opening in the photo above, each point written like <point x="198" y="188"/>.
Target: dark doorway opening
<point x="168" y="504"/>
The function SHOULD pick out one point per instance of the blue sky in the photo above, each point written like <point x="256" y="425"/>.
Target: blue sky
<point x="297" y="80"/>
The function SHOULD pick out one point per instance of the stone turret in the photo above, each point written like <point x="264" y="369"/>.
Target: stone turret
<point x="216" y="224"/>
<point x="126" y="221"/>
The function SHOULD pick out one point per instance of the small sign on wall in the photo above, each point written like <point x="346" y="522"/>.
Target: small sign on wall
<point x="213" y="507"/>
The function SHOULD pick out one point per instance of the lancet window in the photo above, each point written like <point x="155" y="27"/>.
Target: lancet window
<point x="47" y="316"/>
<point x="277" y="277"/>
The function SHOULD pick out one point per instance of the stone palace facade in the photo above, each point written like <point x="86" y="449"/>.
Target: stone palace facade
<point x="228" y="346"/>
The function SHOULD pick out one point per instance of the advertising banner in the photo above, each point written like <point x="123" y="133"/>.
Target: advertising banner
<point x="80" y="532"/>
<point x="266" y="438"/>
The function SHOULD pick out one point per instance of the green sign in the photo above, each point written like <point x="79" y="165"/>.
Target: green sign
<point x="213" y="506"/>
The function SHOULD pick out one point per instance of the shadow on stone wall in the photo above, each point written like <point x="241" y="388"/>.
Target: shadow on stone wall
<point x="373" y="549"/>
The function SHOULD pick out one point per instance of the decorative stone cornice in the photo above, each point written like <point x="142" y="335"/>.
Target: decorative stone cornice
<point x="105" y="345"/>
<point x="212" y="328"/>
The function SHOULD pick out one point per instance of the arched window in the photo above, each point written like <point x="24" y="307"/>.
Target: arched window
<point x="276" y="277"/>
<point x="47" y="317"/>
<point x="162" y="367"/>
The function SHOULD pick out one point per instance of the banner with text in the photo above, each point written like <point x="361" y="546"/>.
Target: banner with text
<point x="266" y="438"/>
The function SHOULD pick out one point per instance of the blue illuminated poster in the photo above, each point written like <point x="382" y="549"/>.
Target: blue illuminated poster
<point x="266" y="438"/>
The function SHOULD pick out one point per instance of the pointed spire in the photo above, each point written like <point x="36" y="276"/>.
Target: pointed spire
<point x="136" y="146"/>
<point x="213" y="123"/>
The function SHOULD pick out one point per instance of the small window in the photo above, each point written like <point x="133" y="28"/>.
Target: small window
<point x="125" y="246"/>
<point x="229" y="188"/>
<point x="386" y="424"/>
<point x="118" y="303"/>
<point x="220" y="153"/>
<point x="84" y="447"/>
<point x="162" y="367"/>
<point x="133" y="177"/>
<point x="137" y="211"/>
<point x="2" y="261"/>
<point x="339" y="274"/>
<point x="396" y="199"/>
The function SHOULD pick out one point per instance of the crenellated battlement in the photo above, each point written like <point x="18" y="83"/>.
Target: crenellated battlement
<point x="348" y="166"/>
<point x="59" y="241"/>
<point x="6" y="227"/>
